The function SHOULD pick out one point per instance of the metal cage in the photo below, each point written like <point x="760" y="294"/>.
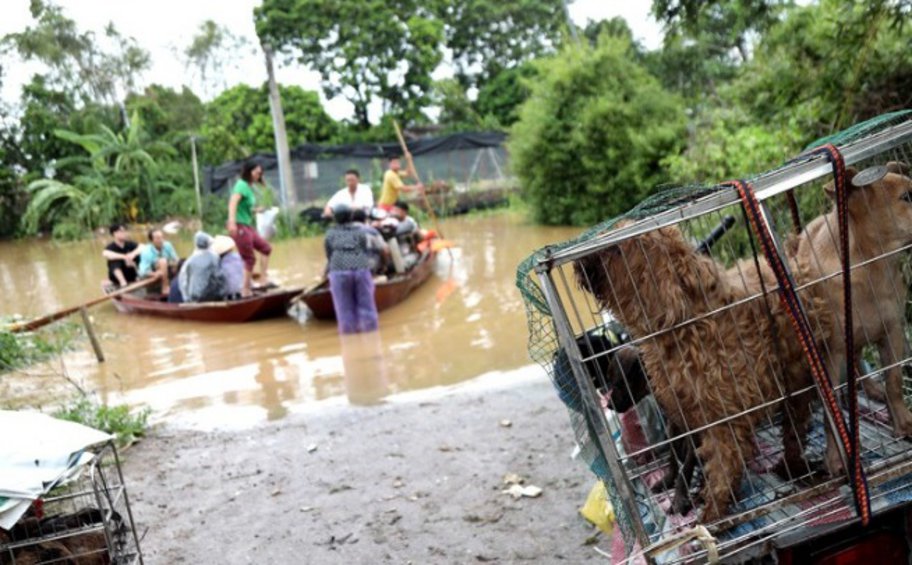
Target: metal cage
<point x="641" y="307"/>
<point x="87" y="520"/>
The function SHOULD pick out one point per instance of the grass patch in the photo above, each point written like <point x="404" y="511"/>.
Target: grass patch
<point x="125" y="424"/>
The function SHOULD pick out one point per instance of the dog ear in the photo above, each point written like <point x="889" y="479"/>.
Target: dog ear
<point x="830" y="188"/>
<point x="898" y="167"/>
<point x="591" y="272"/>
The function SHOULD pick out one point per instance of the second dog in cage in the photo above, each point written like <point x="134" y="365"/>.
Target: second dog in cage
<point x="627" y="385"/>
<point x="880" y="223"/>
<point x="713" y="356"/>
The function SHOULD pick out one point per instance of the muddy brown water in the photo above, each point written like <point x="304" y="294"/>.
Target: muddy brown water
<point x="466" y="320"/>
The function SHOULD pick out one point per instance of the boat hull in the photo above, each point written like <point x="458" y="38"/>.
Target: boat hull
<point x="386" y="294"/>
<point x="270" y="304"/>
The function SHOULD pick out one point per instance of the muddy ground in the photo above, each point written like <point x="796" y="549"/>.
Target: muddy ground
<point x="414" y="480"/>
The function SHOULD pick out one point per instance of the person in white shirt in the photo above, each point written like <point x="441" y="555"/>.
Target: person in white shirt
<point x="355" y="195"/>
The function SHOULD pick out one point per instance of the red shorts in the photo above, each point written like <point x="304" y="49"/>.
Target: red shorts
<point x="247" y="240"/>
<point x="387" y="207"/>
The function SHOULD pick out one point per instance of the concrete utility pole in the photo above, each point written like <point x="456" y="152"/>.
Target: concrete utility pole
<point x="286" y="179"/>
<point x="196" y="179"/>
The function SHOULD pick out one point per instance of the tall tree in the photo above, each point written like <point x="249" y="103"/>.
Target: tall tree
<point x="456" y="110"/>
<point x="238" y="121"/>
<point x="363" y="50"/>
<point x="501" y="97"/>
<point x="728" y="23"/>
<point x="43" y="111"/>
<point x="12" y="195"/>
<point x="211" y="51"/>
<point x="591" y="137"/>
<point x="826" y="66"/>
<point x="166" y="111"/>
<point x="75" y="59"/>
<point x="486" y="37"/>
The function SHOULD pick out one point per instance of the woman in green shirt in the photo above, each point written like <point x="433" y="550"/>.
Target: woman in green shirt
<point x="241" y="227"/>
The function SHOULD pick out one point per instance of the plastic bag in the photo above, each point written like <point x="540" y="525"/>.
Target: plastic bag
<point x="598" y="509"/>
<point x="265" y="222"/>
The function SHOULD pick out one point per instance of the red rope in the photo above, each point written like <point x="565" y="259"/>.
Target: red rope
<point x="800" y="323"/>
<point x="842" y="211"/>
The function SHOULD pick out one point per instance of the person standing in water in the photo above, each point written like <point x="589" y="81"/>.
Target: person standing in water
<point x="348" y="250"/>
<point x="241" y="208"/>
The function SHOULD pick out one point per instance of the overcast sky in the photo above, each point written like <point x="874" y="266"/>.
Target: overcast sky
<point x="166" y="27"/>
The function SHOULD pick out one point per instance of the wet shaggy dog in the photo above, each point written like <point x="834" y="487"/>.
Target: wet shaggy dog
<point x="709" y="365"/>
<point x="879" y="221"/>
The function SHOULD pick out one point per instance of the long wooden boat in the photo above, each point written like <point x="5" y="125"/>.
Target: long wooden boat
<point x="262" y="305"/>
<point x="386" y="294"/>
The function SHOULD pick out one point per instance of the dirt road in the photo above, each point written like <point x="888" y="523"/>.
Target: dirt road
<point x="415" y="480"/>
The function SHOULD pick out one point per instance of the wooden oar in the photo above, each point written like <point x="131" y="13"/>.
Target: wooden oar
<point x="414" y="172"/>
<point x="319" y="282"/>
<point x="45" y="320"/>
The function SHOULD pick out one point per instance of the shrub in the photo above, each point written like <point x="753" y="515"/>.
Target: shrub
<point x="591" y="137"/>
<point x="122" y="422"/>
<point x="18" y="350"/>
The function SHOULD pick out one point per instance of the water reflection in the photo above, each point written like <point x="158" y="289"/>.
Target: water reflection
<point x="366" y="380"/>
<point x="466" y="320"/>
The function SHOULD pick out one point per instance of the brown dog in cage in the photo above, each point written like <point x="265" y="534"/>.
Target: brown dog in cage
<point x="712" y="356"/>
<point x="880" y="222"/>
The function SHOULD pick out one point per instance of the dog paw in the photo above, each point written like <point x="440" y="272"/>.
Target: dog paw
<point x="902" y="422"/>
<point x="681" y="505"/>
<point x="874" y="390"/>
<point x="833" y="462"/>
<point x="789" y="468"/>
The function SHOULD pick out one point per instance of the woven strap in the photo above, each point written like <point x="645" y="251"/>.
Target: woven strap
<point x="799" y="321"/>
<point x="698" y="533"/>
<point x="842" y="212"/>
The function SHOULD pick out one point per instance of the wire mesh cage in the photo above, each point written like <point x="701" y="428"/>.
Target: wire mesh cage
<point x="87" y="520"/>
<point x="708" y="401"/>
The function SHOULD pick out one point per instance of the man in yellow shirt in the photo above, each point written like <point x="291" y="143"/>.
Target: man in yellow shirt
<point x="393" y="185"/>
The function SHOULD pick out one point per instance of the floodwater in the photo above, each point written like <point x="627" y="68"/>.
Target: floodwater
<point x="466" y="320"/>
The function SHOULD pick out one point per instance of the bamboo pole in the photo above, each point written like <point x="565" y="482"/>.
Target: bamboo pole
<point x="45" y="320"/>
<point x="414" y="172"/>
<point x="90" y="331"/>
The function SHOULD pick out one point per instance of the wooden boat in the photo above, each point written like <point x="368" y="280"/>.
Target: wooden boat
<point x="262" y="305"/>
<point x="386" y="294"/>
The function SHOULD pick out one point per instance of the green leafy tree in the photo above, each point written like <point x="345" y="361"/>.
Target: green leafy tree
<point x="364" y="51"/>
<point x="501" y="97"/>
<point x="12" y="193"/>
<point x="33" y="145"/>
<point x="456" y="110"/>
<point x="238" y="122"/>
<point x="727" y="143"/>
<point x="615" y="27"/>
<point x="116" y="175"/>
<point x="727" y="23"/>
<point x="166" y="112"/>
<point x="211" y="52"/>
<point x="75" y="60"/>
<point x="826" y="66"/>
<point x="591" y="137"/>
<point x="706" y="42"/>
<point x="487" y="37"/>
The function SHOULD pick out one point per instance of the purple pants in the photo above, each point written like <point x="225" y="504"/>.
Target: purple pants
<point x="353" y="300"/>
